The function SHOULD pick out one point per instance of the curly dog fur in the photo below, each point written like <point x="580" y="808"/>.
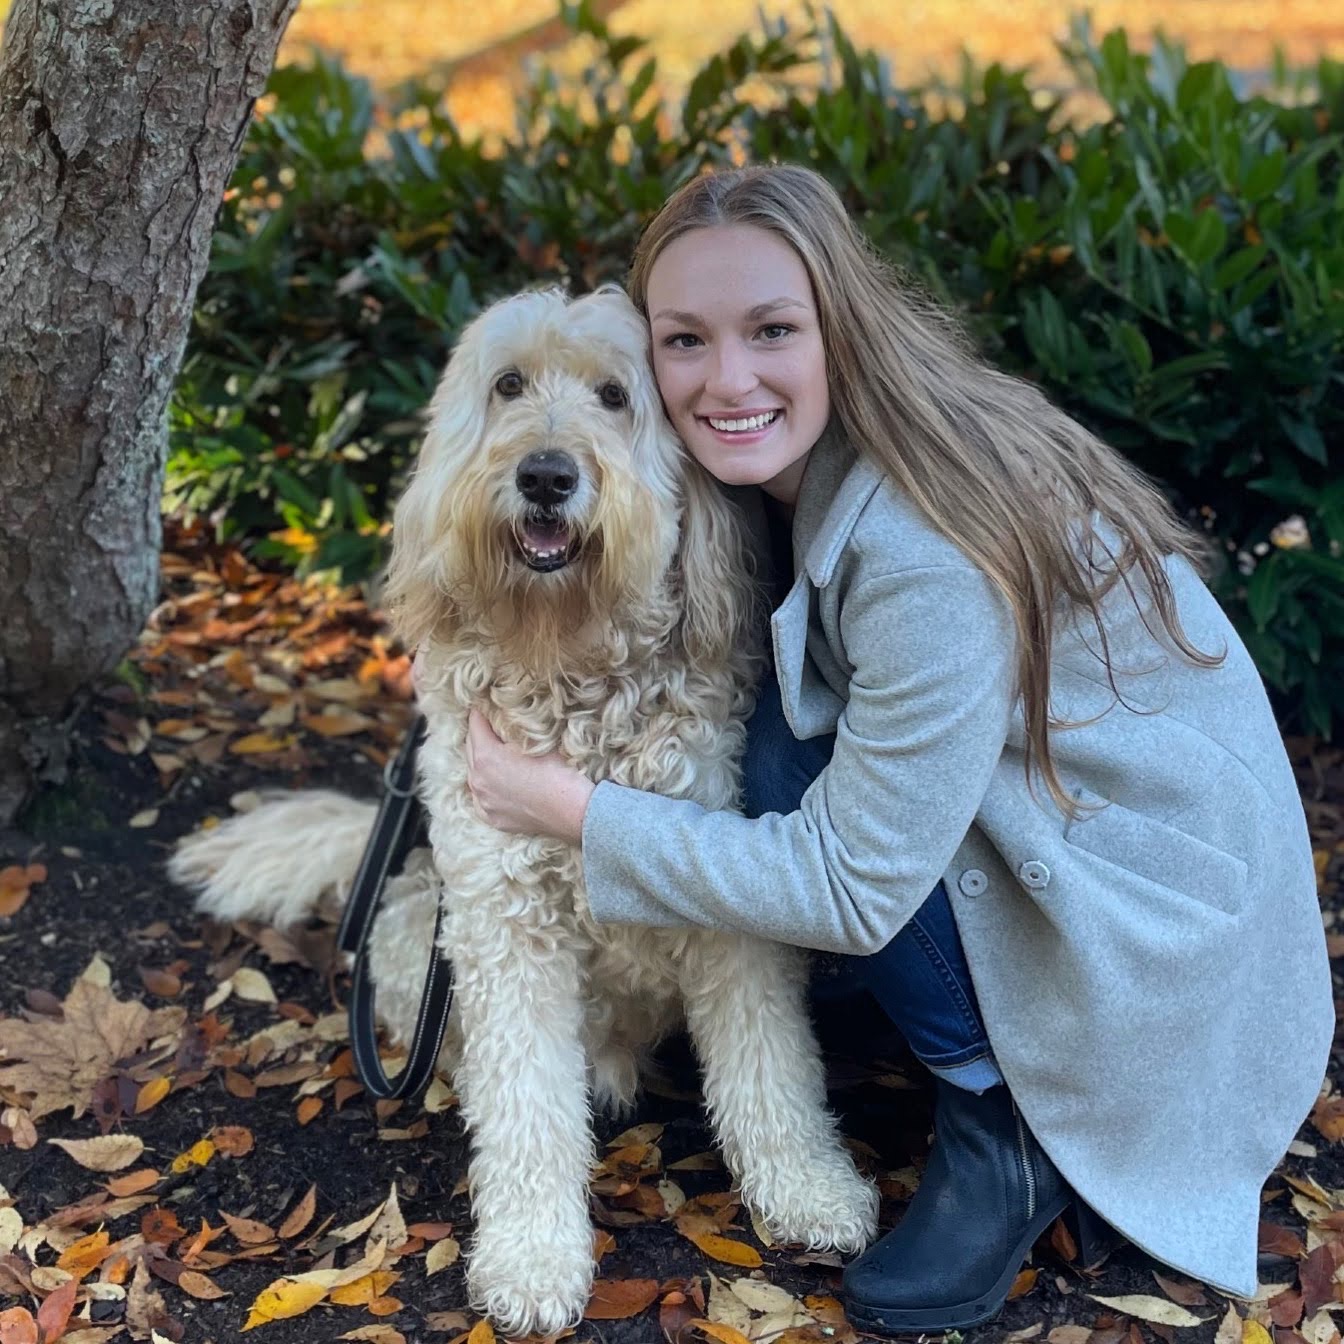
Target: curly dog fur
<point x="603" y="612"/>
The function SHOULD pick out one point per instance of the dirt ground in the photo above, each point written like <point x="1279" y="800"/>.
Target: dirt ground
<point x="105" y="894"/>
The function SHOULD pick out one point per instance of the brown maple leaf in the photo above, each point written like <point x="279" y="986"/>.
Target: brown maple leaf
<point x="61" y="1063"/>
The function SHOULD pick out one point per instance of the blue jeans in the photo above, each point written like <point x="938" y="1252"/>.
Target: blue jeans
<point x="920" y="978"/>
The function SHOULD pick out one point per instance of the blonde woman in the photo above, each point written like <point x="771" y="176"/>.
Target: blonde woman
<point x="1012" y="758"/>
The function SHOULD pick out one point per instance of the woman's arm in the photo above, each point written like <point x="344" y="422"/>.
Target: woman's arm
<point x="928" y="712"/>
<point x="925" y="724"/>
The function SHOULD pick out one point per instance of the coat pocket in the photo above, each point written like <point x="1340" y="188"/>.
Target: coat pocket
<point x="1154" y="850"/>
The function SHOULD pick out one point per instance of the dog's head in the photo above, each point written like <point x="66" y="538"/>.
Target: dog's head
<point x="550" y="487"/>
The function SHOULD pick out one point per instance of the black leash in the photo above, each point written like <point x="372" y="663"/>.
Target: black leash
<point x="399" y="827"/>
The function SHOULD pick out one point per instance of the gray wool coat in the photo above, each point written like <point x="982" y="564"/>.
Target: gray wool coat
<point x="1152" y="975"/>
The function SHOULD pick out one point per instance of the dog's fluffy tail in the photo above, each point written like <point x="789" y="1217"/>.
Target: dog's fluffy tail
<point x="280" y="863"/>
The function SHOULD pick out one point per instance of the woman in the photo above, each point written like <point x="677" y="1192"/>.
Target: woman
<point x="1012" y="756"/>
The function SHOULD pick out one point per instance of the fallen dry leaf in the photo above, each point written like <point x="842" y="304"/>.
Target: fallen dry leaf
<point x="248" y="1231"/>
<point x="133" y="1183"/>
<point x="15" y="885"/>
<point x="17" y="1326"/>
<point x="54" y="1313"/>
<point x="725" y="1334"/>
<point x="61" y="1063"/>
<point x="301" y="1215"/>
<point x="107" y="1152"/>
<point x="1153" y="1309"/>
<point x="152" y="1093"/>
<point x="232" y="1140"/>
<point x="701" y="1230"/>
<point x="442" y="1254"/>
<point x="283" y="1299"/>
<point x="82" y="1257"/>
<point x="617" y="1299"/>
<point x="366" y="1290"/>
<point x="11" y="1229"/>
<point x="197" y="1155"/>
<point x="252" y="986"/>
<point x="199" y="1285"/>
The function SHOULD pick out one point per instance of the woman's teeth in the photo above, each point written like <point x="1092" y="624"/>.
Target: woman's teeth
<point x="742" y="426"/>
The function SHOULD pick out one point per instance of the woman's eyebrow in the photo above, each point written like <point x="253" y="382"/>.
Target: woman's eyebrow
<point x="759" y="311"/>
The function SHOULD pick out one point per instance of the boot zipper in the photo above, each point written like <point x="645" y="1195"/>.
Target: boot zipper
<point x="1027" y="1170"/>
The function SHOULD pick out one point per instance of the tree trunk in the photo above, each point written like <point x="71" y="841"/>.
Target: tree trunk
<point x="120" y="124"/>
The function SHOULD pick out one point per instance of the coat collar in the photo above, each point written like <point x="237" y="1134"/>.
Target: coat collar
<point x="837" y="483"/>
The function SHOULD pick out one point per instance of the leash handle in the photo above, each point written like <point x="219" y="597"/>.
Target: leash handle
<point x="395" y="831"/>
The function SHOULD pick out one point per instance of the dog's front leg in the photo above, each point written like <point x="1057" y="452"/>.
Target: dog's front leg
<point x="765" y="1087"/>
<point x="523" y="1089"/>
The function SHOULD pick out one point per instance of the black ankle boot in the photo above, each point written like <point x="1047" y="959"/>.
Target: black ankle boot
<point x="988" y="1192"/>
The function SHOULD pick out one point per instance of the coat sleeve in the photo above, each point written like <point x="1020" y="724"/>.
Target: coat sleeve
<point x="926" y="721"/>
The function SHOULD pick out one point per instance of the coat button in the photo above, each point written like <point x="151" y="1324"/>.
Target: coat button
<point x="1034" y="874"/>
<point x="972" y="882"/>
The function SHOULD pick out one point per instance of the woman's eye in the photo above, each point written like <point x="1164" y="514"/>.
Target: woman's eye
<point x="509" y="383"/>
<point x="683" y="340"/>
<point x="775" y="331"/>
<point x="613" y="395"/>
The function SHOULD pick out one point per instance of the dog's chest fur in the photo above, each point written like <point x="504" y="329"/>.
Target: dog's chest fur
<point x="646" y="720"/>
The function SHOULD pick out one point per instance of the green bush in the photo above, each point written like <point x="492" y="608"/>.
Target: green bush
<point x="1172" y="272"/>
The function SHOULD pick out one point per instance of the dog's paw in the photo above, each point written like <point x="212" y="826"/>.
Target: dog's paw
<point x="825" y="1205"/>
<point x="531" y="1289"/>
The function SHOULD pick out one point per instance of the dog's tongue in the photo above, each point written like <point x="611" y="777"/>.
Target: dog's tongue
<point x="544" y="536"/>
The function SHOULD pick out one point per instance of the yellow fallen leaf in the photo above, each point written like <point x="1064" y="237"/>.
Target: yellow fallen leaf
<point x="152" y="1093"/>
<point x="341" y="723"/>
<point x="481" y="1333"/>
<point x="259" y="744"/>
<point x="363" y="1291"/>
<point x="108" y="1152"/>
<point x="85" y="1255"/>
<point x="281" y="1300"/>
<point x="725" y="1334"/>
<point x="725" y="1249"/>
<point x="1155" y="1309"/>
<point x="197" y="1155"/>
<point x="1252" y="1332"/>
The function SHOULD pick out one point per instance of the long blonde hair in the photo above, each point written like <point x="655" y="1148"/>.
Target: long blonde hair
<point x="1007" y="477"/>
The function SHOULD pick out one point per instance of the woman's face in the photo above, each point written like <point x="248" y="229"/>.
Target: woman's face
<point x="738" y="355"/>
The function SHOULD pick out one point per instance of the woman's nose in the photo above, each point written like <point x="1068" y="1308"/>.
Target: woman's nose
<point x="730" y="373"/>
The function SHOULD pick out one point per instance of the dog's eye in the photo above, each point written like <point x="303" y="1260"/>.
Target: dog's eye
<point x="613" y="396"/>
<point x="509" y="383"/>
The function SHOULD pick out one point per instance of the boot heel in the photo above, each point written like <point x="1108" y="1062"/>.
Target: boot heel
<point x="1094" y="1237"/>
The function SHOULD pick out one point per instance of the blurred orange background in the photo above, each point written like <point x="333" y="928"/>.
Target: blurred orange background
<point x="481" y="46"/>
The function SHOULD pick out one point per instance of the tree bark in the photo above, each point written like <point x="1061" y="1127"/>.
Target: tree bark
<point x="120" y="124"/>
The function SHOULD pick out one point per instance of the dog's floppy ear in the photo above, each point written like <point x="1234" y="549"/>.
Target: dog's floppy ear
<point x="420" y="574"/>
<point x="718" y="591"/>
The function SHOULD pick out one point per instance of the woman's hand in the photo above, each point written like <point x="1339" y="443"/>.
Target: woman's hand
<point x="522" y="794"/>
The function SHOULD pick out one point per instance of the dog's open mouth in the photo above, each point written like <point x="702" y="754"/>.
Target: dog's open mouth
<point x="545" y="541"/>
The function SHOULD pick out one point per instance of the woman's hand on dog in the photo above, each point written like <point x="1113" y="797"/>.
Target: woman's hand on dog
<point x="522" y="794"/>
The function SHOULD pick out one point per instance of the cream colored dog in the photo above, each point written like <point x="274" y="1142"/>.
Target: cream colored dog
<point x="560" y="563"/>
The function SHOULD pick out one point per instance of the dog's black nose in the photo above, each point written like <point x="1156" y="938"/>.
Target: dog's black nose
<point x="547" y="478"/>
